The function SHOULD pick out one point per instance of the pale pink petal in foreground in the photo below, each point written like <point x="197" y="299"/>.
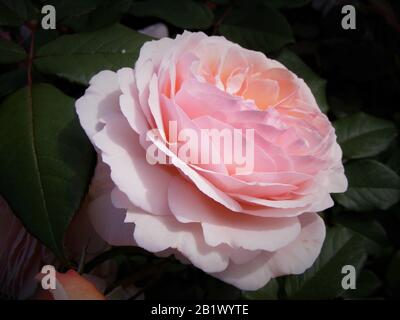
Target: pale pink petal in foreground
<point x="295" y="258"/>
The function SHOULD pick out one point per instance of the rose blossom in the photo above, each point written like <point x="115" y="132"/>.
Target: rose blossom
<point x="242" y="228"/>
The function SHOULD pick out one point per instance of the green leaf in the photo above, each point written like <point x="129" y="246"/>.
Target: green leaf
<point x="186" y="14"/>
<point x="268" y="292"/>
<point x="88" y="15"/>
<point x="260" y="28"/>
<point x="324" y="279"/>
<point x="67" y="8"/>
<point x="10" y="52"/>
<point x="366" y="284"/>
<point x="394" y="160"/>
<point x="372" y="185"/>
<point x="43" y="37"/>
<point x="80" y="56"/>
<point x="46" y="161"/>
<point x="343" y="106"/>
<point x="282" y="4"/>
<point x="221" y="2"/>
<point x="317" y="84"/>
<point x="366" y="225"/>
<point x="106" y="14"/>
<point x="361" y="135"/>
<point x="11" y="81"/>
<point x="393" y="273"/>
<point x="15" y="12"/>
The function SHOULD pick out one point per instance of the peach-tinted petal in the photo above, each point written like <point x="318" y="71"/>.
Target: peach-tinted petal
<point x="205" y="186"/>
<point x="72" y="286"/>
<point x="264" y="92"/>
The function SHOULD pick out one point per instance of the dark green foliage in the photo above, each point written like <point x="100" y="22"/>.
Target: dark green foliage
<point x="46" y="161"/>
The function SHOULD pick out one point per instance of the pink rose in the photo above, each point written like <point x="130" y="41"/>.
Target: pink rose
<point x="244" y="223"/>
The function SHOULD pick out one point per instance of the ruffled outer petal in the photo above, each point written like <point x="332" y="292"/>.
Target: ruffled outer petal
<point x="221" y="226"/>
<point x="158" y="233"/>
<point x="295" y="258"/>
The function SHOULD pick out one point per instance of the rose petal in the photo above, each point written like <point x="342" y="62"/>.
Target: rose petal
<point x="158" y="233"/>
<point x="100" y="99"/>
<point x="221" y="226"/>
<point x="145" y="185"/>
<point x="292" y="259"/>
